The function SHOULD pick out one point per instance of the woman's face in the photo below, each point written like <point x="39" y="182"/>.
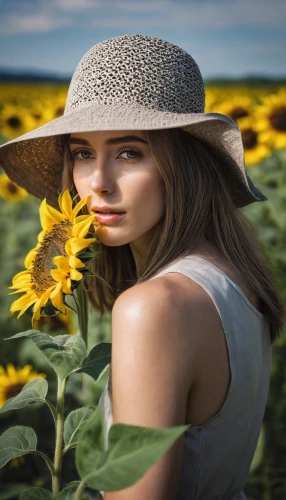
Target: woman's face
<point x="119" y="172"/>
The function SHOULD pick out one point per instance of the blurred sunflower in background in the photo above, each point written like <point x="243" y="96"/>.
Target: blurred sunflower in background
<point x="15" y="120"/>
<point x="59" y="323"/>
<point x="56" y="266"/>
<point x="236" y="107"/>
<point x="11" y="191"/>
<point x="271" y="119"/>
<point x="12" y="380"/>
<point x="255" y="149"/>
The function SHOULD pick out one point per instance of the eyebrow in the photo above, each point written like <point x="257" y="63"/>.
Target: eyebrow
<point x="109" y="142"/>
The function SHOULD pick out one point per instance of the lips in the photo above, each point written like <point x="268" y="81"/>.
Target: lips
<point x="109" y="212"/>
<point x="108" y="218"/>
<point x="106" y="210"/>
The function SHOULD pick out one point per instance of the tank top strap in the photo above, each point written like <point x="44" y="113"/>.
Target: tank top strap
<point x="214" y="280"/>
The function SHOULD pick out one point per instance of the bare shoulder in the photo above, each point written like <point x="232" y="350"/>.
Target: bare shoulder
<point x="171" y="310"/>
<point x="172" y="295"/>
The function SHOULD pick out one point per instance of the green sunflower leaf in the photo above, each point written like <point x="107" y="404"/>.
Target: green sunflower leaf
<point x="34" y="391"/>
<point x="68" y="492"/>
<point x="132" y="450"/>
<point x="16" y="442"/>
<point x="65" y="353"/>
<point x="74" y="424"/>
<point x="36" y="494"/>
<point x="97" y="360"/>
<point x="86" y="255"/>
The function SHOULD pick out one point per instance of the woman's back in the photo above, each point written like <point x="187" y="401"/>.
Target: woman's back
<point x="219" y="451"/>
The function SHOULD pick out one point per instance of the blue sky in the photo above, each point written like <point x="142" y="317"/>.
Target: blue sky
<point x="226" y="37"/>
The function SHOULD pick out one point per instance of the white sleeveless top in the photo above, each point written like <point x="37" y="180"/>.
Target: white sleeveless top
<point x="218" y="454"/>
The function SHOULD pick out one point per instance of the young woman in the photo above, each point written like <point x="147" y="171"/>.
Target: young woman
<point x="194" y="307"/>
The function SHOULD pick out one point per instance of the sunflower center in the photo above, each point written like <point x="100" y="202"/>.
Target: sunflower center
<point x="278" y="118"/>
<point x="238" y="112"/>
<point x="52" y="245"/>
<point x="13" y="390"/>
<point x="59" y="111"/>
<point x="14" y="122"/>
<point x="249" y="138"/>
<point x="12" y="188"/>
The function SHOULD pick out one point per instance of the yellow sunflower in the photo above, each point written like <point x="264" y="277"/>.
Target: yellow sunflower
<point x="12" y="380"/>
<point x="254" y="148"/>
<point x="10" y="191"/>
<point x="15" y="120"/>
<point x="236" y="107"/>
<point x="271" y="119"/>
<point x="41" y="111"/>
<point x="52" y="267"/>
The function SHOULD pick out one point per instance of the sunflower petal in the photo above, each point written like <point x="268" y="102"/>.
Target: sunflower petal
<point x="30" y="257"/>
<point x="78" y="244"/>
<point x="37" y="312"/>
<point x="57" y="298"/>
<point x="78" y="207"/>
<point x="23" y="303"/>
<point x="67" y="287"/>
<point x="41" y="236"/>
<point x="49" y="215"/>
<point x="59" y="275"/>
<point x="75" y="263"/>
<point x="65" y="203"/>
<point x="75" y="275"/>
<point x="80" y="218"/>
<point x="21" y="279"/>
<point x="80" y="229"/>
<point x="62" y="262"/>
<point x="21" y="290"/>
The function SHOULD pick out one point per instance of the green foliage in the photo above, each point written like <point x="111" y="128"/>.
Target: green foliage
<point x="63" y="352"/>
<point x="98" y="358"/>
<point x="15" y="442"/>
<point x="68" y="492"/>
<point x="34" y="391"/>
<point x="268" y="479"/>
<point x="132" y="450"/>
<point x="36" y="494"/>
<point x="42" y="494"/>
<point x="74" y="424"/>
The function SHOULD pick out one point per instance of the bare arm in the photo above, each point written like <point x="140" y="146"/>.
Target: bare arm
<point x="151" y="373"/>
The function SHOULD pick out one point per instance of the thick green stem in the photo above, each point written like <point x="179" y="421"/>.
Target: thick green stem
<point x="81" y="304"/>
<point x="56" y="479"/>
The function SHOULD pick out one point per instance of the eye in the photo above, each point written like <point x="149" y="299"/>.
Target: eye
<point x="82" y="154"/>
<point x="132" y="154"/>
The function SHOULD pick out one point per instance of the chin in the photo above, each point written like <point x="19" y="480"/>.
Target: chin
<point x="108" y="239"/>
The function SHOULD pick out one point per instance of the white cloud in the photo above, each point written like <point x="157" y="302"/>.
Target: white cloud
<point x="195" y="15"/>
<point x="17" y="24"/>
<point x="42" y="16"/>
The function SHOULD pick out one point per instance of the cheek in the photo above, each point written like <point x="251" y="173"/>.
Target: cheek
<point x="148" y="197"/>
<point x="81" y="184"/>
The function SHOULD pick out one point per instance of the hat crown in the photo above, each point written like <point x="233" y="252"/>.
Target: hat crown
<point x="137" y="69"/>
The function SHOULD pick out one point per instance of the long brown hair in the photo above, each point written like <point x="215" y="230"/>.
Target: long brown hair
<point x="199" y="203"/>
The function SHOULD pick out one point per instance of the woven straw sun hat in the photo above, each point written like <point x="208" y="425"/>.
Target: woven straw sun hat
<point x="130" y="82"/>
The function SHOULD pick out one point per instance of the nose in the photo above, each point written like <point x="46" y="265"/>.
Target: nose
<point x="102" y="181"/>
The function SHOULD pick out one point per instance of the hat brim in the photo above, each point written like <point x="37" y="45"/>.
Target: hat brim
<point x="35" y="160"/>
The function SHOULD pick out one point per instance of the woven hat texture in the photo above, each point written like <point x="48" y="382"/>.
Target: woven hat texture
<point x="130" y="82"/>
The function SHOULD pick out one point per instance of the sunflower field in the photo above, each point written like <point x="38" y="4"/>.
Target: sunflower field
<point x="260" y="113"/>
